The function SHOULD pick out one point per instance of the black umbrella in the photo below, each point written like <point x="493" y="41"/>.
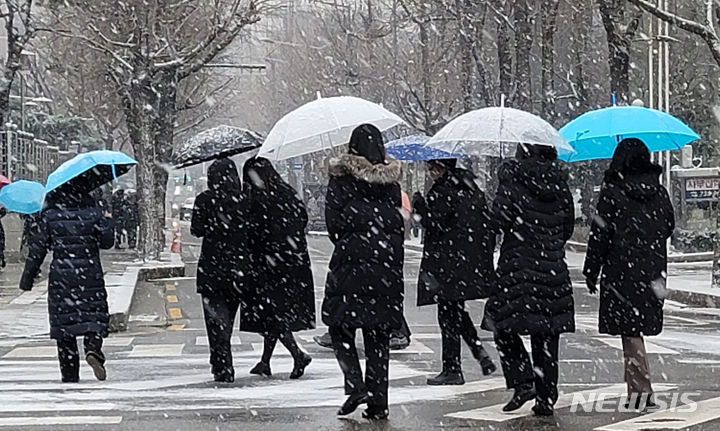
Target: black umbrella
<point x="211" y="144"/>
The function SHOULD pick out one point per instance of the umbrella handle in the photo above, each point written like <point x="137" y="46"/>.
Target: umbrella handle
<point x="114" y="172"/>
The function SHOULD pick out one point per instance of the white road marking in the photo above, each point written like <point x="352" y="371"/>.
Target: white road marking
<point x="59" y="420"/>
<point x="118" y="341"/>
<point x="676" y="419"/>
<point x="415" y="348"/>
<point x="616" y="343"/>
<point x="495" y="414"/>
<point x="33" y="352"/>
<point x="203" y="340"/>
<point x="156" y="350"/>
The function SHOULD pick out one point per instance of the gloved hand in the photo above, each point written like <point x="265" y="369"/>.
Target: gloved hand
<point x="591" y="285"/>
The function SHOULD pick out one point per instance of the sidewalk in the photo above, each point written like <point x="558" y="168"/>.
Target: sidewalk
<point x="24" y="314"/>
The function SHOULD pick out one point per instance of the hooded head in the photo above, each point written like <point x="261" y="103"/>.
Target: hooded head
<point x="633" y="170"/>
<point x="538" y="169"/>
<point x="538" y="152"/>
<point x="367" y="141"/>
<point x="260" y="174"/>
<point x="223" y="178"/>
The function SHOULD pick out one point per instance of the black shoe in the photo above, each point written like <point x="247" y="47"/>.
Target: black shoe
<point x="486" y="363"/>
<point x="353" y="402"/>
<point x="543" y="410"/>
<point x="523" y="394"/>
<point x="447" y="378"/>
<point x="376" y="414"/>
<point x="97" y="363"/>
<point x="71" y="380"/>
<point x="261" y="369"/>
<point x="299" y="366"/>
<point x="323" y="340"/>
<point x="399" y="343"/>
<point x="224" y="378"/>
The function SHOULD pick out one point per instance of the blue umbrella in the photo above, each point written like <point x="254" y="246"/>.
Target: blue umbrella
<point x="412" y="149"/>
<point x="24" y="197"/>
<point x="88" y="171"/>
<point x="595" y="134"/>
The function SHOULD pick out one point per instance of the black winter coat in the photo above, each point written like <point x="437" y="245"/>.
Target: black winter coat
<point x="222" y="221"/>
<point x="534" y="211"/>
<point x="628" y="245"/>
<point x="457" y="262"/>
<point x="281" y="297"/>
<point x="365" y="287"/>
<point x="77" y="299"/>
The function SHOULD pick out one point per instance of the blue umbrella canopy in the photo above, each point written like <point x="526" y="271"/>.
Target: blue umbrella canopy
<point x="23" y="197"/>
<point x="595" y="134"/>
<point x="412" y="149"/>
<point x="88" y="171"/>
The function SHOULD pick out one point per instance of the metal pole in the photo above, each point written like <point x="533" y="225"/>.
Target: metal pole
<point x="22" y="102"/>
<point x="667" y="96"/>
<point x="651" y="63"/>
<point x="660" y="73"/>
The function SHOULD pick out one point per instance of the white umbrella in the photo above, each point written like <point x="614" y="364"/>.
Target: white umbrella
<point x="496" y="132"/>
<point x="323" y="124"/>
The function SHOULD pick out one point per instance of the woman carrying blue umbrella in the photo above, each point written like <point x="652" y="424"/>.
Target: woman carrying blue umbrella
<point x="627" y="252"/>
<point x="74" y="228"/>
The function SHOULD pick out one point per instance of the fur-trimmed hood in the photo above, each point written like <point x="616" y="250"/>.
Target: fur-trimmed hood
<point x="361" y="168"/>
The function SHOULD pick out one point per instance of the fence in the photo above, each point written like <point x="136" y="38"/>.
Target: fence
<point x="24" y="157"/>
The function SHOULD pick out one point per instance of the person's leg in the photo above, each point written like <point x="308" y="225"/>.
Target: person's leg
<point x="470" y="335"/>
<point x="637" y="368"/>
<point x="377" y="366"/>
<point x="269" y="343"/>
<point x="517" y="369"/>
<point x="545" y="362"/>
<point x="94" y="355"/>
<point x="219" y="330"/>
<point x="449" y="322"/>
<point x="343" y="340"/>
<point x="300" y="358"/>
<point x="69" y="359"/>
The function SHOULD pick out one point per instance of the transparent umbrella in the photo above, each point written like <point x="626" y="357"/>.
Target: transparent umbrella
<point x="322" y="125"/>
<point x="496" y="132"/>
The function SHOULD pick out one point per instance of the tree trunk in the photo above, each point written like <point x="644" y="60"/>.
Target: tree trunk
<point x="523" y="46"/>
<point x="504" y="51"/>
<point x="466" y="53"/>
<point x="619" y="41"/>
<point x="166" y="84"/>
<point x="549" y="27"/>
<point x="426" y="78"/>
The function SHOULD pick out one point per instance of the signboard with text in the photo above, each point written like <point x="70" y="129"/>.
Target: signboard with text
<point x="702" y="188"/>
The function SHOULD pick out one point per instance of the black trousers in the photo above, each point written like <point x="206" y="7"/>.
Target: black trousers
<point x="455" y="323"/>
<point x="518" y="369"/>
<point x="69" y="356"/>
<point x="132" y="235"/>
<point x="377" y="363"/>
<point x="220" y="311"/>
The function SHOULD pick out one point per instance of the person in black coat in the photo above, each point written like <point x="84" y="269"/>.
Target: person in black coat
<point x="131" y="218"/>
<point x="118" y="213"/>
<point x="281" y="299"/>
<point x="364" y="288"/>
<point x="534" y="211"/>
<point x="3" y="213"/>
<point x="221" y="217"/>
<point x="73" y="227"/>
<point x="628" y="247"/>
<point x="457" y="263"/>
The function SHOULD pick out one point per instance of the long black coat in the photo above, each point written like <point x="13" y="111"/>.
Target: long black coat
<point x="364" y="288"/>
<point x="534" y="211"/>
<point x="281" y="297"/>
<point x="77" y="299"/>
<point x="222" y="219"/>
<point x="628" y="245"/>
<point x="457" y="263"/>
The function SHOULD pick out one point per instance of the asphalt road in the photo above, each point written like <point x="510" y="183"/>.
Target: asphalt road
<point x="159" y="377"/>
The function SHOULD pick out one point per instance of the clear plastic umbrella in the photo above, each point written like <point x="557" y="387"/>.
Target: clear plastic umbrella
<point x="322" y="125"/>
<point x="496" y="132"/>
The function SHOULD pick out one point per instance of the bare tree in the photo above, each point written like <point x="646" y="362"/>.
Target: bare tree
<point x="19" y="29"/>
<point x="620" y="33"/>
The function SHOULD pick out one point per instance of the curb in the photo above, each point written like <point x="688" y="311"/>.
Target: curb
<point x="121" y="287"/>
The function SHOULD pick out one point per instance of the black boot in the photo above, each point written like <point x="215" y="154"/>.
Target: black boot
<point x="373" y="413"/>
<point x="97" y="363"/>
<point x="543" y="409"/>
<point x="523" y="393"/>
<point x="323" y="340"/>
<point x="299" y="366"/>
<point x="261" y="369"/>
<point x="353" y="402"/>
<point x="447" y="378"/>
<point x="486" y="363"/>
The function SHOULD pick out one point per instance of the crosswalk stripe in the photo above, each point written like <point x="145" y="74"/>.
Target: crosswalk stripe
<point x="676" y="419"/>
<point x="495" y="414"/>
<point x="156" y="350"/>
<point x="32" y="352"/>
<point x="616" y="343"/>
<point x="118" y="341"/>
<point x="59" y="420"/>
<point x="203" y="341"/>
